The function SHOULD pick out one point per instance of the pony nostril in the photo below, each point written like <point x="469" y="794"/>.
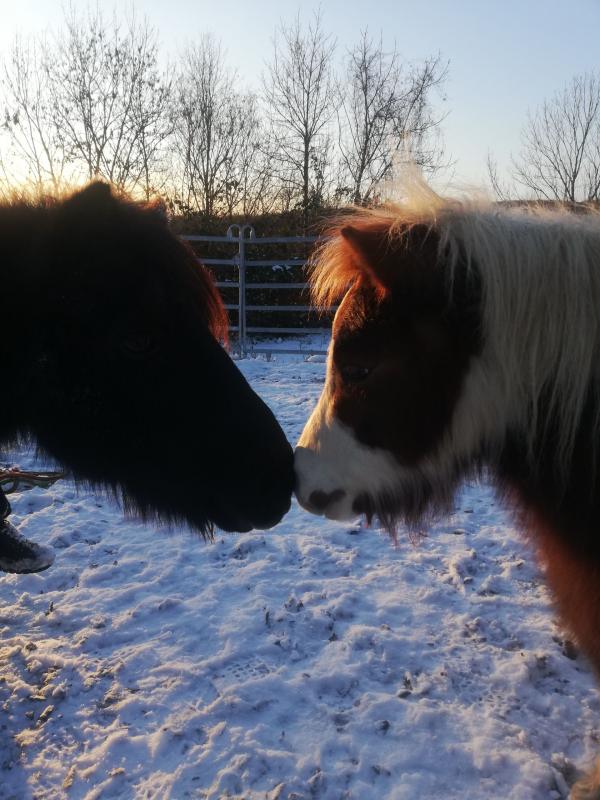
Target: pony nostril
<point x="320" y="500"/>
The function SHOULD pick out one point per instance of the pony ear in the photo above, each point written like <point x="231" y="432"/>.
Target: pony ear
<point x="366" y="244"/>
<point x="159" y="210"/>
<point x="94" y="201"/>
<point x="385" y="256"/>
<point x="95" y="192"/>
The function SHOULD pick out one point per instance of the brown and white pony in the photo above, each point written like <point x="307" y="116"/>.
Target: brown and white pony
<point x="467" y="339"/>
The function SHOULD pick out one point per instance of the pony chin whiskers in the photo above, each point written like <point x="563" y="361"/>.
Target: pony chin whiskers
<point x="414" y="515"/>
<point x="147" y="514"/>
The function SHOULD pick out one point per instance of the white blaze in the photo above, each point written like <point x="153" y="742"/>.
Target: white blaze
<point x="329" y="458"/>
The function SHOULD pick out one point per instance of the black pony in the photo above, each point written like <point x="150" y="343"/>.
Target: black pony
<point x="111" y="363"/>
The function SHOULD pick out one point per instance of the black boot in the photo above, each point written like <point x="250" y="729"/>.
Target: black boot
<point x="18" y="554"/>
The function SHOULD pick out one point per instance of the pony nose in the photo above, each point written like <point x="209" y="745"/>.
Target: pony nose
<point x="320" y="500"/>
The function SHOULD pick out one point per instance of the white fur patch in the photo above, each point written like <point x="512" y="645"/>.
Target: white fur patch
<point x="329" y="457"/>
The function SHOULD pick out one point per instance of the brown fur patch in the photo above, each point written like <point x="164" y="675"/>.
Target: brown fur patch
<point x="575" y="583"/>
<point x="402" y="321"/>
<point x="418" y="361"/>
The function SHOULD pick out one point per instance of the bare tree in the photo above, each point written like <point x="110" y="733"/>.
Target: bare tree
<point x="383" y="105"/>
<point x="416" y="124"/>
<point x="36" y="148"/>
<point x="249" y="182"/>
<point x="560" y="157"/>
<point x="299" y="94"/>
<point x="217" y="132"/>
<point x="503" y="191"/>
<point x="110" y="99"/>
<point x="365" y="114"/>
<point x="92" y="101"/>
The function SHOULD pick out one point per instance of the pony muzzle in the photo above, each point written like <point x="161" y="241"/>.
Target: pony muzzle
<point x="316" y="490"/>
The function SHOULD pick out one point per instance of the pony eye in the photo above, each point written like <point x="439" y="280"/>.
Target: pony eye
<point x="353" y="373"/>
<point x="138" y="344"/>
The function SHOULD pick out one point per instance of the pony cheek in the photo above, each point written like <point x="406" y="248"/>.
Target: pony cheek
<point x="371" y="410"/>
<point x="353" y="411"/>
<point x="397" y="412"/>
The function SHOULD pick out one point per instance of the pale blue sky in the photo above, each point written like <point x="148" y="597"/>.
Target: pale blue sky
<point x="505" y="56"/>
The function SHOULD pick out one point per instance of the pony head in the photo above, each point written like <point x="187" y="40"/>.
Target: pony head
<point x="123" y="378"/>
<point x="462" y="327"/>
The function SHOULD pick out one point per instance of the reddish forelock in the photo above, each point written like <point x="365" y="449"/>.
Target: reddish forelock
<point x="208" y="296"/>
<point x="209" y="299"/>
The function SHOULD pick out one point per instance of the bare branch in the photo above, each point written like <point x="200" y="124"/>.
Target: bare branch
<point x="110" y="100"/>
<point x="502" y="192"/>
<point x="383" y="104"/>
<point x="299" y="93"/>
<point x="36" y="148"/>
<point x="217" y="136"/>
<point x="560" y="155"/>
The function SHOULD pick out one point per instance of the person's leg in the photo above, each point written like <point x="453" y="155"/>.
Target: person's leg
<point x="4" y="505"/>
<point x="18" y="554"/>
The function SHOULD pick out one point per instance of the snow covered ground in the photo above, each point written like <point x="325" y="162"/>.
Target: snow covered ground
<point x="317" y="660"/>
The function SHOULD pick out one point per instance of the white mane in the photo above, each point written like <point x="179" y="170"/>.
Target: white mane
<point x="540" y="278"/>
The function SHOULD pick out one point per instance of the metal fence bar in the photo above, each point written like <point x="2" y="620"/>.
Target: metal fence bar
<point x="263" y="239"/>
<point x="274" y="285"/>
<point x="271" y="262"/>
<point x="276" y="262"/>
<point x="288" y="239"/>
<point x="281" y="308"/>
<point x="218" y="262"/>
<point x="196" y="238"/>
<point x="261" y="329"/>
<point x="295" y="351"/>
<point x="270" y="285"/>
<point x="244" y="236"/>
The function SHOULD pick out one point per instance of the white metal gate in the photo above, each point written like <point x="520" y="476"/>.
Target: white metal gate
<point x="245" y="238"/>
